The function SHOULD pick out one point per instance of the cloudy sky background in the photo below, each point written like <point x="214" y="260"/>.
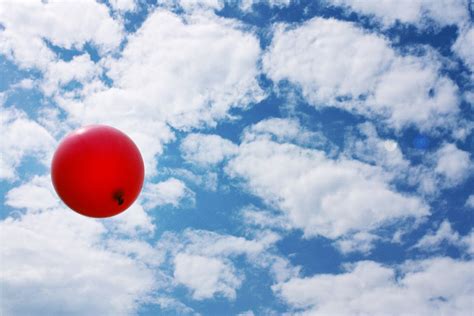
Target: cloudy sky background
<point x="301" y="157"/>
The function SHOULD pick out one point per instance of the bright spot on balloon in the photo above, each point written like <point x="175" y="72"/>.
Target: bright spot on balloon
<point x="390" y="145"/>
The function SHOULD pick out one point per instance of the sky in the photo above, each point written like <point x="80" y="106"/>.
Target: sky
<point x="301" y="157"/>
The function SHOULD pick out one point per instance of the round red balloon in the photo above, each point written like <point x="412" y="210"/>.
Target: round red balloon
<point x="97" y="171"/>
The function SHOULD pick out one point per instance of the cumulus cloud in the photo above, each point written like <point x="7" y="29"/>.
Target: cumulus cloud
<point x="21" y="138"/>
<point x="446" y="167"/>
<point x="51" y="249"/>
<point x="208" y="60"/>
<point x="320" y="195"/>
<point x="453" y="164"/>
<point x="171" y="191"/>
<point x="253" y="216"/>
<point x="80" y="69"/>
<point x="362" y="242"/>
<point x="188" y="70"/>
<point x="338" y="64"/>
<point x="418" y="12"/>
<point x="246" y="6"/>
<point x="123" y="5"/>
<point x="432" y="286"/>
<point x="207" y="180"/>
<point x="470" y="201"/>
<point x="205" y="276"/>
<point x="371" y="148"/>
<point x="206" y="149"/>
<point x="35" y="195"/>
<point x="56" y="252"/>
<point x="183" y="72"/>
<point x="445" y="235"/>
<point x="27" y="24"/>
<point x="462" y="47"/>
<point x="190" y="5"/>
<point x="133" y="222"/>
<point x="283" y="130"/>
<point x="203" y="260"/>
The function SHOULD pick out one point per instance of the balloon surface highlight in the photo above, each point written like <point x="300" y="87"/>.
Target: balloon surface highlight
<point x="97" y="171"/>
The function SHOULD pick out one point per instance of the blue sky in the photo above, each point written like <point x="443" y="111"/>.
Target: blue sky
<point x="301" y="157"/>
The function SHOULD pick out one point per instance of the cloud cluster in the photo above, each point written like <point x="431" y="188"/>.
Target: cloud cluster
<point x="21" y="138"/>
<point x="171" y="191"/>
<point x="419" y="12"/>
<point x="205" y="150"/>
<point x="315" y="193"/>
<point x="179" y="72"/>
<point x="30" y="25"/>
<point x="319" y="195"/>
<point x="203" y="261"/>
<point x="425" y="287"/>
<point x="52" y="254"/>
<point x="445" y="235"/>
<point x="338" y="64"/>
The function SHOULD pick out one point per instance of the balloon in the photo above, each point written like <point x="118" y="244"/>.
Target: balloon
<point x="97" y="171"/>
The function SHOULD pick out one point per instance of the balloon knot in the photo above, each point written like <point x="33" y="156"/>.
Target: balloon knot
<point x="118" y="196"/>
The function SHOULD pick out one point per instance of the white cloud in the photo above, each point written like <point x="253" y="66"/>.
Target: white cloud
<point x="463" y="46"/>
<point x="187" y="72"/>
<point x="419" y="12"/>
<point x="207" y="180"/>
<point x="189" y="5"/>
<point x="37" y="195"/>
<point x="375" y="150"/>
<point x="227" y="245"/>
<point x="247" y="313"/>
<point x="206" y="276"/>
<point x="28" y="23"/>
<point x="34" y="195"/>
<point x="206" y="149"/>
<point x="171" y="191"/>
<point x="21" y="138"/>
<point x="132" y="222"/>
<point x="319" y="195"/>
<point x="52" y="253"/>
<point x="141" y="250"/>
<point x="244" y="5"/>
<point x="58" y="251"/>
<point x="468" y="242"/>
<point x="123" y="5"/>
<point x="470" y="201"/>
<point x="282" y="130"/>
<point x="264" y="219"/>
<point x="453" y="164"/>
<point x="338" y="64"/>
<point x="445" y="168"/>
<point x="446" y="235"/>
<point x="247" y="5"/>
<point x="174" y="305"/>
<point x="211" y="244"/>
<point x="203" y="260"/>
<point x="360" y="242"/>
<point x="26" y="83"/>
<point x="438" y="286"/>
<point x="81" y="69"/>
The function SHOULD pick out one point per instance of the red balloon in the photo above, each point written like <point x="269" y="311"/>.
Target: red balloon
<point x="97" y="171"/>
